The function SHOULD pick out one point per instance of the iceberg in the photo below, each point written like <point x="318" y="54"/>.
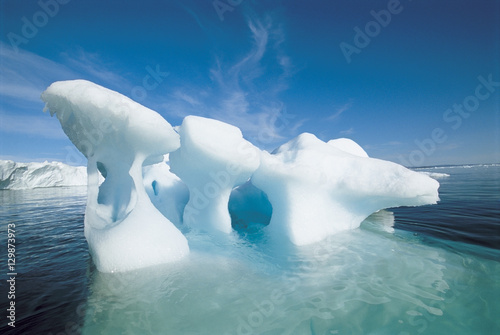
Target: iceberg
<point x="348" y="145"/>
<point x="204" y="176"/>
<point x="167" y="192"/>
<point x="213" y="158"/>
<point x="17" y="176"/>
<point x="317" y="189"/>
<point x="435" y="175"/>
<point x="118" y="136"/>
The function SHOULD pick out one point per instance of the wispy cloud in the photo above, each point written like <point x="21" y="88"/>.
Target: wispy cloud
<point x="25" y="75"/>
<point x="91" y="66"/>
<point x="42" y="125"/>
<point x="246" y="92"/>
<point x="339" y="111"/>
<point x="185" y="97"/>
<point x="349" y="131"/>
<point x="25" y="91"/>
<point x="195" y="16"/>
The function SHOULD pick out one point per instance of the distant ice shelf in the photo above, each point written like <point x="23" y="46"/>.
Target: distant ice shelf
<point x="18" y="176"/>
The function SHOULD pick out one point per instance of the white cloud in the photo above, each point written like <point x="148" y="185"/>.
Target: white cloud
<point x="183" y="96"/>
<point x="42" y="125"/>
<point x="91" y="65"/>
<point x="245" y="93"/>
<point x="25" y="75"/>
<point x="20" y="91"/>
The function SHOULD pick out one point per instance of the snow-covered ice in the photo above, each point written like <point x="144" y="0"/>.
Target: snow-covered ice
<point x="16" y="176"/>
<point x="348" y="145"/>
<point x="317" y="189"/>
<point x="118" y="136"/>
<point x="213" y="180"/>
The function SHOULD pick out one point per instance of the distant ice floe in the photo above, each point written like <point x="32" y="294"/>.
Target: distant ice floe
<point x="303" y="192"/>
<point x="435" y="175"/>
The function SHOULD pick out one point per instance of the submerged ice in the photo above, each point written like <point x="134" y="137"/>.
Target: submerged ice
<point x="213" y="179"/>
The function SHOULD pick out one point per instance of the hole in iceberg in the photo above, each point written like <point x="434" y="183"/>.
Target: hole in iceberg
<point x="102" y="169"/>
<point x="249" y="208"/>
<point x="154" y="185"/>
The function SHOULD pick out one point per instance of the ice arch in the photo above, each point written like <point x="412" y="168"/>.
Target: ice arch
<point x="212" y="160"/>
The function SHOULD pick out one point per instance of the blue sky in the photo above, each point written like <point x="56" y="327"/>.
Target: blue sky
<point x="415" y="82"/>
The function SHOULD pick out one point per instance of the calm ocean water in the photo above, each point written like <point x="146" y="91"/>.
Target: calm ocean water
<point x="424" y="270"/>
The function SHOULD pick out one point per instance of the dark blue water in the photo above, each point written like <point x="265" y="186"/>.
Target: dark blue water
<point x="469" y="210"/>
<point x="52" y="260"/>
<point x="423" y="270"/>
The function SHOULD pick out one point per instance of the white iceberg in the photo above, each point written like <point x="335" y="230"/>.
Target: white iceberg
<point x="318" y="189"/>
<point x="167" y="191"/>
<point x="212" y="160"/>
<point x="435" y="175"/>
<point x="303" y="192"/>
<point x="118" y="136"/>
<point x="17" y="176"/>
<point x="348" y="145"/>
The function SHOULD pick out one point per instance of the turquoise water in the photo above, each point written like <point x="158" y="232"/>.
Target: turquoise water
<point x="424" y="270"/>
